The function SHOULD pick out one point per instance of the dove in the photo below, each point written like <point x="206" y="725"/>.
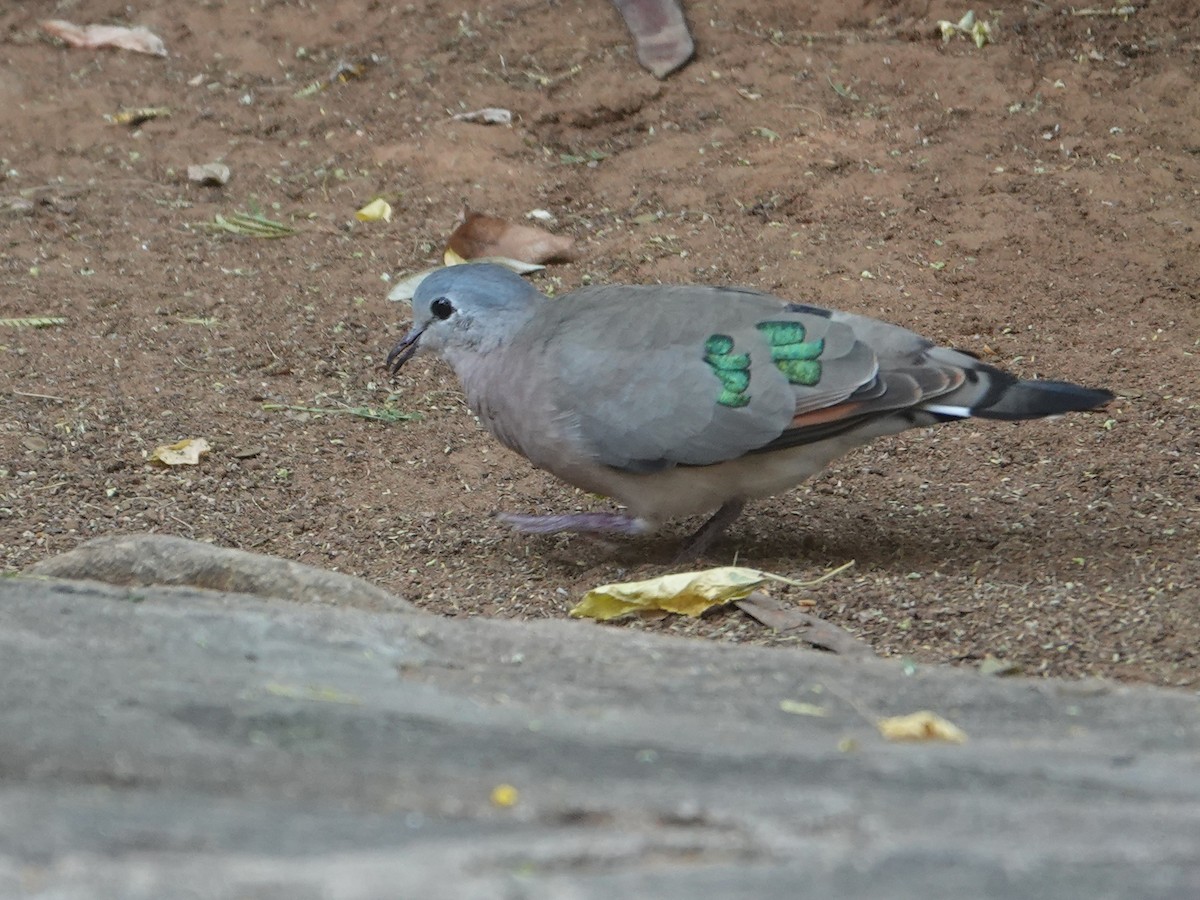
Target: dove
<point x="680" y="400"/>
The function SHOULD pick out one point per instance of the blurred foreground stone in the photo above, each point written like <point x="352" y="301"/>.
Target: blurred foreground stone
<point x="171" y="741"/>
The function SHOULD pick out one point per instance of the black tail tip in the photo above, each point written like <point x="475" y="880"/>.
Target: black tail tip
<point x="1036" y="399"/>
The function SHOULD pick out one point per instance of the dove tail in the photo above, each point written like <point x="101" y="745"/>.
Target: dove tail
<point x="992" y="394"/>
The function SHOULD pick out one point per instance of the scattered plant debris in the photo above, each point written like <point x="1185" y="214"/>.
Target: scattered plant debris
<point x="250" y="225"/>
<point x="969" y="27"/>
<point x="375" y="414"/>
<point x="138" y="116"/>
<point x="95" y="37"/>
<point x="182" y="453"/>
<point x="489" y="115"/>
<point x="33" y="322"/>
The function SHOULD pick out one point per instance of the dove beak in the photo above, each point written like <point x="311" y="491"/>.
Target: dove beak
<point x="404" y="350"/>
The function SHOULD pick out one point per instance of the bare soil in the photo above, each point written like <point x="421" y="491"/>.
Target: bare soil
<point x="1034" y="201"/>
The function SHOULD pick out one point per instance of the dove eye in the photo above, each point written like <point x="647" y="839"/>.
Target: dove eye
<point x="441" y="308"/>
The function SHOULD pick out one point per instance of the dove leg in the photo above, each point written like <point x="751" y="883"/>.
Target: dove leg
<point x="711" y="530"/>
<point x="613" y="523"/>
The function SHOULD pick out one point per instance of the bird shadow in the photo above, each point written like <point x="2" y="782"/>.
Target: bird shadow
<point x="767" y="541"/>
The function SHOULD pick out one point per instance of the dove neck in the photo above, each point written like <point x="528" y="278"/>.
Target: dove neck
<point x="487" y="348"/>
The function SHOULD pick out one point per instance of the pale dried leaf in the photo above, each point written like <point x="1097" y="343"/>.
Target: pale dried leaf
<point x="375" y="211"/>
<point x="489" y="115"/>
<point x="94" y="37"/>
<point x="407" y="286"/>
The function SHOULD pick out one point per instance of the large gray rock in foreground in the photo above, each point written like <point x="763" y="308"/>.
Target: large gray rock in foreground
<point x="164" y="742"/>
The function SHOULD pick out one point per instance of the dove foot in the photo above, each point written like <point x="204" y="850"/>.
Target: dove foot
<point x="611" y="523"/>
<point x="699" y="542"/>
<point x="660" y="33"/>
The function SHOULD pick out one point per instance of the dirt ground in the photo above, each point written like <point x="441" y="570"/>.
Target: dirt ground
<point x="1034" y="201"/>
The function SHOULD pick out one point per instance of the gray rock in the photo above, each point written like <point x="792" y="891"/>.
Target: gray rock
<point x="145" y="559"/>
<point x="169" y="742"/>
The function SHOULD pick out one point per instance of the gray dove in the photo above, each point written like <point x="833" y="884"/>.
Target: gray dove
<point x="679" y="400"/>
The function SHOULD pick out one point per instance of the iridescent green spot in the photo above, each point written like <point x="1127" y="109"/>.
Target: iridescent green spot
<point x="718" y="345"/>
<point x="719" y="355"/>
<point x="780" y="333"/>
<point x="795" y="357"/>
<point x="733" y="369"/>
<point x="800" y="371"/>
<point x="732" y="398"/>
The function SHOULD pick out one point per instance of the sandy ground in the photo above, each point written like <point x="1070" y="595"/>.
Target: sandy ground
<point x="1033" y="201"/>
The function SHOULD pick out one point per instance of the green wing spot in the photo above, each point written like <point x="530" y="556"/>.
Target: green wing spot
<point x="732" y="399"/>
<point x="802" y="350"/>
<point x="730" y="363"/>
<point x="718" y="345"/>
<point x="733" y="369"/>
<point x="800" y="371"/>
<point x="779" y="333"/>
<point x="737" y="382"/>
<point x="795" y="357"/>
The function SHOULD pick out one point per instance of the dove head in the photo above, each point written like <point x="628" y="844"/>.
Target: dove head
<point x="466" y="310"/>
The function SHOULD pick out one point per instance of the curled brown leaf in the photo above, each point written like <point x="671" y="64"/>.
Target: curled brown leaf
<point x="482" y="235"/>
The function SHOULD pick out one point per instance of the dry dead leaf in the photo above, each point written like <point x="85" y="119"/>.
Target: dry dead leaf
<point x="214" y="173"/>
<point x="183" y="453"/>
<point x="809" y="628"/>
<point x="95" y="37"/>
<point x="689" y="593"/>
<point x="481" y="235"/>
<point x="921" y="726"/>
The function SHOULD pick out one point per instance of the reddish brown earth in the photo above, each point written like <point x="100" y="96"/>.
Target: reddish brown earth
<point x="1034" y="201"/>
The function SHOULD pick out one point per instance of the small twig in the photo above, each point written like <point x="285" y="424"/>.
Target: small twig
<point x="38" y="396"/>
<point x="1121" y="11"/>
<point x="821" y="579"/>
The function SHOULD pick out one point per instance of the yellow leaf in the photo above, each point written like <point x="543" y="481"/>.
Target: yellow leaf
<point x="921" y="726"/>
<point x="375" y="211"/>
<point x="184" y="453"/>
<point x="690" y="593"/>
<point x="504" y="796"/>
<point x="451" y="258"/>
